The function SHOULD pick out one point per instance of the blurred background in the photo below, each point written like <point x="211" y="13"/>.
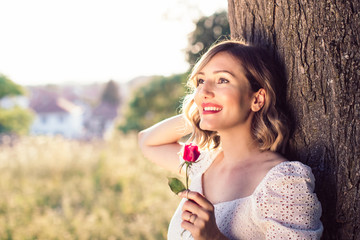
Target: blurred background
<point x="78" y="80"/>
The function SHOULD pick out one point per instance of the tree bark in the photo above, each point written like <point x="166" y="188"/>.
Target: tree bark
<point x="318" y="41"/>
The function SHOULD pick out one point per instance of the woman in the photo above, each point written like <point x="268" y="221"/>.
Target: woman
<point x="241" y="188"/>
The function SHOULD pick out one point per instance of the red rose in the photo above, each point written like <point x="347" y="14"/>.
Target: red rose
<point x="191" y="153"/>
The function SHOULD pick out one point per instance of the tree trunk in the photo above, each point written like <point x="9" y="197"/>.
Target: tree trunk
<point x="319" y="43"/>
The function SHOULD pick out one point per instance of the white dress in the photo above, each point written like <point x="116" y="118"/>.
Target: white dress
<point x="283" y="205"/>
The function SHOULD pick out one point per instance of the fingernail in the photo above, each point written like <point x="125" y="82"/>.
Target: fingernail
<point x="182" y="193"/>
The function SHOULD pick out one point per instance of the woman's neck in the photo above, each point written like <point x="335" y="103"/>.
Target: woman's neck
<point x="238" y="145"/>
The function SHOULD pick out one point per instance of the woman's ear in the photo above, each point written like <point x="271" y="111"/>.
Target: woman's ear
<point x="259" y="100"/>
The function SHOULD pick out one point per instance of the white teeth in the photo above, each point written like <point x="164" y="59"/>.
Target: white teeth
<point x="212" y="109"/>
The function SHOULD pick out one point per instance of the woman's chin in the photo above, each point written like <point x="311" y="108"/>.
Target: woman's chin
<point x="207" y="127"/>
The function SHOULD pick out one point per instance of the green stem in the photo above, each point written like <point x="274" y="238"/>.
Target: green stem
<point x="187" y="176"/>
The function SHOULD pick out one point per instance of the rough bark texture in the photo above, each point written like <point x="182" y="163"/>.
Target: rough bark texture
<point x="319" y="42"/>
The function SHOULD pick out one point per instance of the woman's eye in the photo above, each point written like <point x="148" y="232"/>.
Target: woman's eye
<point x="200" y="81"/>
<point x="223" y="80"/>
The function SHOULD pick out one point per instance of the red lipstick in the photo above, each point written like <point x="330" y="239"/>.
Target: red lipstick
<point x="211" y="108"/>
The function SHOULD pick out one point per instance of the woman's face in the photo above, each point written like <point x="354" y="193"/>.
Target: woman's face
<point x="223" y="96"/>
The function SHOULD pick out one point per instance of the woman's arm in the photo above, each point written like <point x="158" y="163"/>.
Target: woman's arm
<point x="159" y="143"/>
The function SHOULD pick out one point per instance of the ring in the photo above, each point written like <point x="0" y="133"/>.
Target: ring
<point x="195" y="217"/>
<point x="189" y="217"/>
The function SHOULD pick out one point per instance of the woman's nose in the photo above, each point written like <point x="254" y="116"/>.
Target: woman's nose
<point x="207" y="90"/>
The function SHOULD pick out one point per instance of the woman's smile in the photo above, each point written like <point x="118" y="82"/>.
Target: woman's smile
<point x="210" y="108"/>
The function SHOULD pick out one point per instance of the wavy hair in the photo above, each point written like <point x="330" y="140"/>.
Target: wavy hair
<point x="270" y="124"/>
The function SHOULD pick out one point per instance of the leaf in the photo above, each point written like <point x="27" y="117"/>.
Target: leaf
<point x="176" y="185"/>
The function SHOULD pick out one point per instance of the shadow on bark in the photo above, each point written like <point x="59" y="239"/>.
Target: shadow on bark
<point x="317" y="155"/>
<point x="325" y="187"/>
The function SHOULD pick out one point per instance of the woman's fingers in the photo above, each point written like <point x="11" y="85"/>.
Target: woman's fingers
<point x="186" y="216"/>
<point x="197" y="198"/>
<point x="197" y="205"/>
<point x="198" y="216"/>
<point x="192" y="207"/>
<point x="189" y="226"/>
<point x="189" y="220"/>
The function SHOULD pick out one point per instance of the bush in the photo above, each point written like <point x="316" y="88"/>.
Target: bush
<point x="16" y="120"/>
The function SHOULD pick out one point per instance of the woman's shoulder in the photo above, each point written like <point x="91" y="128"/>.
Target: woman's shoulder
<point x="292" y="167"/>
<point x="278" y="164"/>
<point x="291" y="170"/>
<point x="287" y="200"/>
<point x="289" y="175"/>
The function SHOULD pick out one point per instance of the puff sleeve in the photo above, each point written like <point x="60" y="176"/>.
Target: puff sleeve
<point x="287" y="206"/>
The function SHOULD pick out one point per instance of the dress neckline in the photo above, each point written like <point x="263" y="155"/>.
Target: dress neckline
<point x="242" y="198"/>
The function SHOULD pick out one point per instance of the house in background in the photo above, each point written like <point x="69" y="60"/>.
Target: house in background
<point x="102" y="120"/>
<point x="55" y="115"/>
<point x="78" y="112"/>
<point x="9" y="102"/>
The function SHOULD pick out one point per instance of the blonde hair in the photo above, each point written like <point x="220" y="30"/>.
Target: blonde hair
<point x="269" y="126"/>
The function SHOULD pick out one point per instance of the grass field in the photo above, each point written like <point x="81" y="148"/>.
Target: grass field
<point x="51" y="188"/>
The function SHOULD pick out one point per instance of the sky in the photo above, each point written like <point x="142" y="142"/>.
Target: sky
<point x="87" y="41"/>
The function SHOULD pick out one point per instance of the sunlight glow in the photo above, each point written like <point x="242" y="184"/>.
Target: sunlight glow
<point x="48" y="41"/>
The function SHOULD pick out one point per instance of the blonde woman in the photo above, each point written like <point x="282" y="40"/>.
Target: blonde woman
<point x="241" y="187"/>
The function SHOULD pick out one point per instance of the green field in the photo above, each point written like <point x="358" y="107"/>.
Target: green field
<point x="52" y="188"/>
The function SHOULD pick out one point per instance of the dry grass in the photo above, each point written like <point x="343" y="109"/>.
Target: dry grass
<point x="51" y="188"/>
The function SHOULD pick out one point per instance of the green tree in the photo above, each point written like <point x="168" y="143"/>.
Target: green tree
<point x="9" y="88"/>
<point x="153" y="102"/>
<point x="208" y="30"/>
<point x="16" y="120"/>
<point x="111" y="93"/>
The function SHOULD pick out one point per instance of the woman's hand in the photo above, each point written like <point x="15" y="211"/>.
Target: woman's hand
<point x="159" y="143"/>
<point x="199" y="217"/>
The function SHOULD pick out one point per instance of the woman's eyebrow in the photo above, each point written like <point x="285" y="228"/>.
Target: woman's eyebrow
<point x="218" y="71"/>
<point x="224" y="71"/>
